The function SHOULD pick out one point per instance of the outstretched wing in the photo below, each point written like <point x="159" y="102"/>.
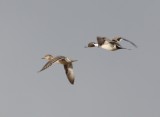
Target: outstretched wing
<point x="130" y="42"/>
<point x="117" y="39"/>
<point x="49" y="63"/>
<point x="69" y="72"/>
<point x="102" y="40"/>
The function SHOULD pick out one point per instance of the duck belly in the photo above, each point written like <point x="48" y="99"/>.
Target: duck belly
<point x="109" y="47"/>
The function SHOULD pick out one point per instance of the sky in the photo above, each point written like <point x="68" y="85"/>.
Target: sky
<point x="123" y="83"/>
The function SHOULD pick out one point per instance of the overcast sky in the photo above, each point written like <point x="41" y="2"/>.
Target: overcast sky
<point x="108" y="84"/>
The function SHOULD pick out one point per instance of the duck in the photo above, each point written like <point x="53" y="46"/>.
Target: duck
<point x="65" y="61"/>
<point x="108" y="44"/>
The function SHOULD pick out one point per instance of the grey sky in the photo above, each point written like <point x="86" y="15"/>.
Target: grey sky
<point x="108" y="84"/>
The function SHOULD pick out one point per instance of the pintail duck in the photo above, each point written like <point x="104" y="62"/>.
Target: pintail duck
<point x="67" y="63"/>
<point x="108" y="44"/>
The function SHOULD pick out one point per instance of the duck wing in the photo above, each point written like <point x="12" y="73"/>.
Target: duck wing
<point x="118" y="39"/>
<point x="49" y="63"/>
<point x="103" y="40"/>
<point x="69" y="72"/>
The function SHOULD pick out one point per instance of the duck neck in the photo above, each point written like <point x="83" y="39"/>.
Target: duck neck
<point x="96" y="44"/>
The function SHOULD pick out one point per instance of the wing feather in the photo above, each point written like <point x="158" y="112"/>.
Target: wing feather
<point x="69" y="72"/>
<point x="118" y="39"/>
<point x="130" y="42"/>
<point x="102" y="40"/>
<point x="49" y="63"/>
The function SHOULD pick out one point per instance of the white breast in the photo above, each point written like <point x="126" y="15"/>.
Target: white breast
<point x="109" y="47"/>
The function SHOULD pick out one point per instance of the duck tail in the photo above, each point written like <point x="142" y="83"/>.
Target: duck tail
<point x="119" y="47"/>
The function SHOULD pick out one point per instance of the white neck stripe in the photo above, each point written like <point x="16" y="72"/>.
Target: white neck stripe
<point x="96" y="44"/>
